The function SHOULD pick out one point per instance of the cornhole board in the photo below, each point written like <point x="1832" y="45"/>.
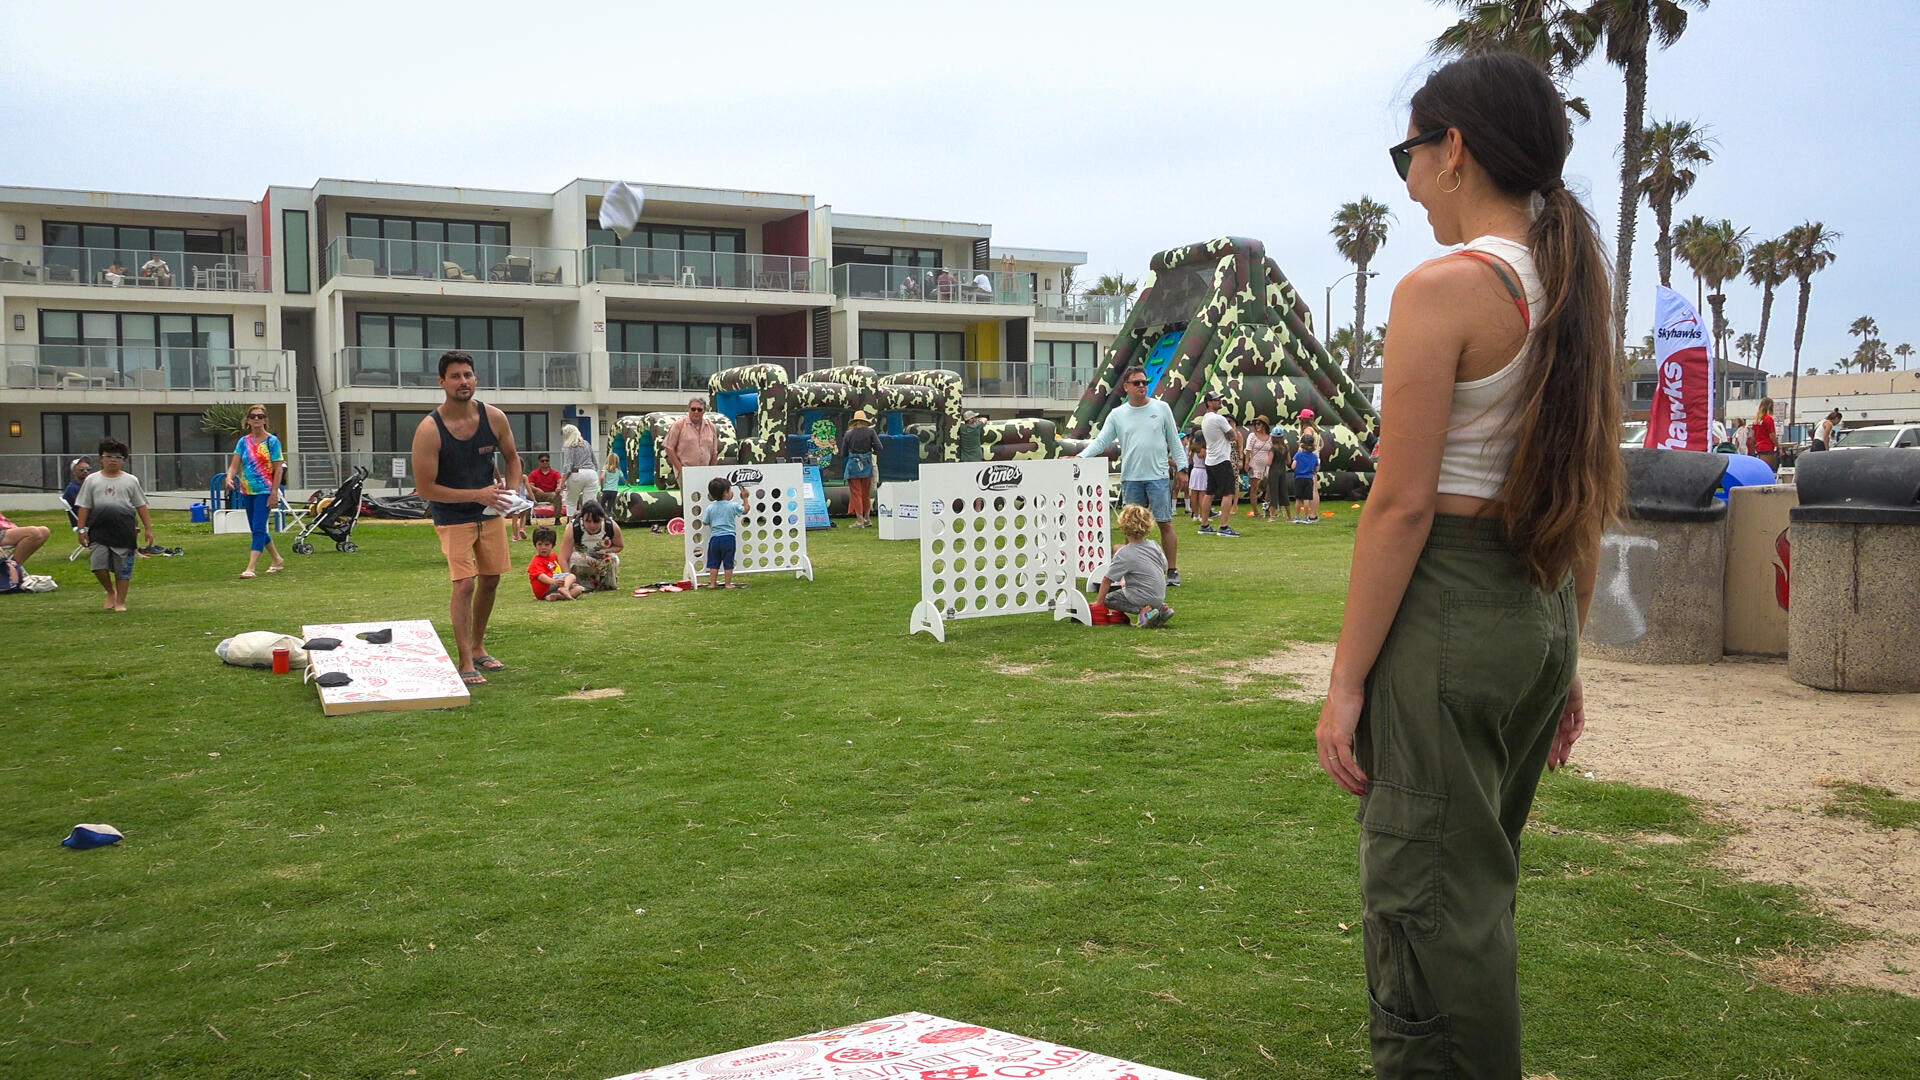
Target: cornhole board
<point x="908" y="1046"/>
<point x="410" y="672"/>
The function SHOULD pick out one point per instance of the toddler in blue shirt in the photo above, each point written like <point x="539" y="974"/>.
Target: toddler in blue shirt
<point x="721" y="517"/>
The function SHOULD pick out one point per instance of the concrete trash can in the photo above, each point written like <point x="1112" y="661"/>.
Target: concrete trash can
<point x="1758" y="561"/>
<point x="1856" y="571"/>
<point x="1660" y="594"/>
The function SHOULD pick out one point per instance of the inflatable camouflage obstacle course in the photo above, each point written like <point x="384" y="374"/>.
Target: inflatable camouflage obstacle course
<point x="1220" y="316"/>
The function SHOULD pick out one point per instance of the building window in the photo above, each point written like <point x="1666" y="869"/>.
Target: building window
<point x="529" y="435"/>
<point x="901" y="350"/>
<point x="664" y="257"/>
<point x="404" y="246"/>
<point x="296" y="270"/>
<point x="184" y="349"/>
<point x="393" y="431"/>
<point x="886" y="255"/>
<point x="1064" y="361"/>
<point x="404" y="350"/>
<point x="1643" y="391"/>
<point x="628" y="339"/>
<point x="65" y="436"/>
<point x="671" y="238"/>
<point x="185" y="457"/>
<point x="89" y="249"/>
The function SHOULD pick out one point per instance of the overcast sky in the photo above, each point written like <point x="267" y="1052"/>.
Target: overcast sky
<point x="1119" y="128"/>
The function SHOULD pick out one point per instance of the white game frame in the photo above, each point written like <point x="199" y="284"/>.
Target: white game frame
<point x="771" y="535"/>
<point x="1093" y="516"/>
<point x="997" y="538"/>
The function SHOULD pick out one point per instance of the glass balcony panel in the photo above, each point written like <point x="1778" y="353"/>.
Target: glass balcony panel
<point x="146" y="367"/>
<point x="132" y="268"/>
<point x="392" y="257"/>
<point x="497" y="369"/>
<point x="940" y="285"/>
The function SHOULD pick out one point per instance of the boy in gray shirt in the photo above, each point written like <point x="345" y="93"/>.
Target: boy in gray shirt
<point x="1135" y="579"/>
<point x="106" y="506"/>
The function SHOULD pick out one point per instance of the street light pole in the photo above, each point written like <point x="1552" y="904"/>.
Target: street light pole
<point x="1326" y="329"/>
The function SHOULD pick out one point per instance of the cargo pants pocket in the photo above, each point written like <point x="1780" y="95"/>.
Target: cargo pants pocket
<point x="1492" y="649"/>
<point x="1400" y="867"/>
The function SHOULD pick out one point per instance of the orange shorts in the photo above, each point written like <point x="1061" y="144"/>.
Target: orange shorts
<point x="475" y="547"/>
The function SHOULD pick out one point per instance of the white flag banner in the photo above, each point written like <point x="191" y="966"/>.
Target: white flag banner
<point x="1681" y="417"/>
<point x="620" y="208"/>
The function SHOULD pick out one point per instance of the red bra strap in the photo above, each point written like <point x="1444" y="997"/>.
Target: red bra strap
<point x="1519" y="298"/>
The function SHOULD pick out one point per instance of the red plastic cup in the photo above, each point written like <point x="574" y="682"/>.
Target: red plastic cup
<point x="282" y="660"/>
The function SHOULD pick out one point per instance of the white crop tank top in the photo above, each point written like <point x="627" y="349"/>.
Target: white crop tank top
<point x="1481" y="432"/>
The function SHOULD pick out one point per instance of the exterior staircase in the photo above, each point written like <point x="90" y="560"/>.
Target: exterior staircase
<point x="318" y="470"/>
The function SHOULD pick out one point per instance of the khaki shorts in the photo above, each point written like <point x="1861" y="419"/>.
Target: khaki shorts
<point x="475" y="547"/>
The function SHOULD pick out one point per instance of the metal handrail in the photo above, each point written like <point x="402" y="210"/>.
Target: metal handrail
<point x="680" y="268"/>
<point x="497" y="369"/>
<point x="931" y="284"/>
<point x="511" y="264"/>
<point x="133" y="268"/>
<point x="152" y="367"/>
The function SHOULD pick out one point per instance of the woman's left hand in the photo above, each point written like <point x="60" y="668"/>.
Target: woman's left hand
<point x="1339" y="719"/>
<point x="1573" y="724"/>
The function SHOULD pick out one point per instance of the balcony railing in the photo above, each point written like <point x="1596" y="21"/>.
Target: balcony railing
<point x="190" y="472"/>
<point x="938" y="285"/>
<point x="512" y="264"/>
<point x="1098" y="310"/>
<point x="705" y="269"/>
<point x="683" y="371"/>
<point x="132" y="268"/>
<point x="144" y="367"/>
<point x="497" y="369"/>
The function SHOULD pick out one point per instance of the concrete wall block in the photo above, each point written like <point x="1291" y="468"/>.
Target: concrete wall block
<point x="1856" y="589"/>
<point x="1660" y="593"/>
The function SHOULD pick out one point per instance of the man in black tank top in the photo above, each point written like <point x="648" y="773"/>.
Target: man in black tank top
<point x="453" y="468"/>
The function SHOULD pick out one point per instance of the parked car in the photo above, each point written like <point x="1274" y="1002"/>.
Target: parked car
<point x="1634" y="433"/>
<point x="1878" y="435"/>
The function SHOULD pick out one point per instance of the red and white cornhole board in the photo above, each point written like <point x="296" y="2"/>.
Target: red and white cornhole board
<point x="410" y="672"/>
<point x="909" y="1046"/>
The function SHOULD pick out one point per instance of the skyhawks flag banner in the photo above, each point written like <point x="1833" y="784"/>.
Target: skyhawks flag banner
<point x="1682" y="414"/>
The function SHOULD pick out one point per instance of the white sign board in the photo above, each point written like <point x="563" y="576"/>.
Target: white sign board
<point x="409" y="671"/>
<point x="907" y="1046"/>
<point x="898" y="508"/>
<point x="997" y="539"/>
<point x="770" y="536"/>
<point x="1092" y="517"/>
<point x="399" y="468"/>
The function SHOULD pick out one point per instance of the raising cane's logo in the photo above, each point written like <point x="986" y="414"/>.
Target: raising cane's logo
<point x="742" y="477"/>
<point x="999" y="477"/>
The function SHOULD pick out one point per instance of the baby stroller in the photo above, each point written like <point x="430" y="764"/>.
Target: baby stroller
<point x="334" y="515"/>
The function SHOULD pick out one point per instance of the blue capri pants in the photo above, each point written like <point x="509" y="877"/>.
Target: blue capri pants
<point x="256" y="506"/>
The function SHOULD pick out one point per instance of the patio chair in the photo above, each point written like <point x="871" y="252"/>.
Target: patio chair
<point x="612" y="274"/>
<point x="453" y="271"/>
<point x="552" y="275"/>
<point x="357" y="267"/>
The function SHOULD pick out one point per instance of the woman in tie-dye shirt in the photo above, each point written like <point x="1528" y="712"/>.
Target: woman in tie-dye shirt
<point x="254" y="475"/>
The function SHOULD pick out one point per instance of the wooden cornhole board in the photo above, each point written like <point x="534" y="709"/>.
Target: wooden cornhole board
<point x="908" y="1046"/>
<point x="410" y="672"/>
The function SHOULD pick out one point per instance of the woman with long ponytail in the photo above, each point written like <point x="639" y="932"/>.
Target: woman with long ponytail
<point x="1455" y="681"/>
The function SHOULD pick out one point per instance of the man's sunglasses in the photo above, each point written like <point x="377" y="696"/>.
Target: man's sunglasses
<point x="1402" y="154"/>
<point x="1136" y="382"/>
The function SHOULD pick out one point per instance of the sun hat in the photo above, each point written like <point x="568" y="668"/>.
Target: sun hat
<point x="860" y="416"/>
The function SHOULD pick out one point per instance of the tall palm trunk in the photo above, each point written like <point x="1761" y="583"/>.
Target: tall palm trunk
<point x="1629" y="188"/>
<point x="1359" y="318"/>
<point x="1766" y="310"/>
<point x="1799" y="332"/>
<point x="1663" y="244"/>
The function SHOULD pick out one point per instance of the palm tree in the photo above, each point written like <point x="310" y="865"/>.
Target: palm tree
<point x="1115" y="285"/>
<point x="1689" y="243"/>
<point x="1810" y="250"/>
<point x="1722" y="252"/>
<point x="1744" y="346"/>
<point x="1551" y="33"/>
<point x="1668" y="152"/>
<point x="1903" y="350"/>
<point x="1359" y="231"/>
<point x="1630" y="28"/>
<point x="1767" y="268"/>
<point x="1863" y="327"/>
<point x="1371" y="346"/>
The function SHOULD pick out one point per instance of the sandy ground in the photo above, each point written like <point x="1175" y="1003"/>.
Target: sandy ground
<point x="1758" y="750"/>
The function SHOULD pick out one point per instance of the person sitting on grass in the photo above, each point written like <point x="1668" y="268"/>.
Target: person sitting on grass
<point x="1306" y="481"/>
<point x="544" y="573"/>
<point x="21" y="541"/>
<point x="107" y="503"/>
<point x="590" y="549"/>
<point x="721" y="518"/>
<point x="1135" y="579"/>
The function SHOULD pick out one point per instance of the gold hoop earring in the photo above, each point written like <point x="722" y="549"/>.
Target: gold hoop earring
<point x="1456" y="181"/>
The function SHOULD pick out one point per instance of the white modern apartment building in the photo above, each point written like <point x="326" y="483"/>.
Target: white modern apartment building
<point x="131" y="314"/>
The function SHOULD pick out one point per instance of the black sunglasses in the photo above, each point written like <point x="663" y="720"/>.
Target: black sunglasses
<point x="1402" y="154"/>
<point x="1136" y="382"/>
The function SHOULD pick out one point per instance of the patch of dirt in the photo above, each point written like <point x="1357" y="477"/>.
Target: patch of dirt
<point x="1758" y="750"/>
<point x="593" y="695"/>
<point x="1019" y="669"/>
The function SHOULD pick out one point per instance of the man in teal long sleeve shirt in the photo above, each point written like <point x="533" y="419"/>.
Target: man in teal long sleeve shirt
<point x="1149" y="443"/>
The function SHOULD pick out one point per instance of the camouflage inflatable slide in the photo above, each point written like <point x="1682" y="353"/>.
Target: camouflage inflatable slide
<point x="1221" y="316"/>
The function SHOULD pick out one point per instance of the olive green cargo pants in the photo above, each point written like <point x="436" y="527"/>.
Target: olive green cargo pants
<point x="1461" y="711"/>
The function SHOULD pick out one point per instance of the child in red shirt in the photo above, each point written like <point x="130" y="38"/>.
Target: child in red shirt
<point x="543" y="570"/>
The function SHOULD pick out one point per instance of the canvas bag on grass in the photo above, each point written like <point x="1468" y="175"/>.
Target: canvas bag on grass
<point x="255" y="649"/>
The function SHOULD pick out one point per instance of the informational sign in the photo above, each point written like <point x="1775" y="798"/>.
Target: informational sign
<point x="897" y="510"/>
<point x="410" y="670"/>
<point x="907" y="1046"/>
<point x="997" y="539"/>
<point x="1681" y="417"/>
<point x="816" y="498"/>
<point x="770" y="536"/>
<point x="400" y="468"/>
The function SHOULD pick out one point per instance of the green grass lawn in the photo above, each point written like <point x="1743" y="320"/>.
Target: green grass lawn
<point x="796" y="817"/>
<point x="1875" y="804"/>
